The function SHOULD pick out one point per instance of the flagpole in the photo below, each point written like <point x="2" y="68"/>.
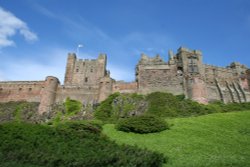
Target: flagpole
<point x="78" y="50"/>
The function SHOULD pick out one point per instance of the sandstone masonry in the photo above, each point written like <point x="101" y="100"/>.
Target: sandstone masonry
<point x="89" y="82"/>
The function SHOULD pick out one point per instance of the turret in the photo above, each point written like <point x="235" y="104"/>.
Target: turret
<point x="70" y="68"/>
<point x="48" y="94"/>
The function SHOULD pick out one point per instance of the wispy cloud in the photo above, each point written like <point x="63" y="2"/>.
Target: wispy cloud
<point x="10" y="25"/>
<point x="123" y="52"/>
<point x="27" y="69"/>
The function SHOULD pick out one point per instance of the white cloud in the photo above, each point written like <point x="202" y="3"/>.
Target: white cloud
<point x="26" y="69"/>
<point x="10" y="25"/>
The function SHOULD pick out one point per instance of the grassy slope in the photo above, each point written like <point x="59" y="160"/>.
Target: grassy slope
<point x="215" y="140"/>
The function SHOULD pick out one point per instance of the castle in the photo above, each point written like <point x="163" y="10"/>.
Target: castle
<point x="89" y="81"/>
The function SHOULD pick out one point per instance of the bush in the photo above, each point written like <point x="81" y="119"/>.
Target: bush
<point x="168" y="105"/>
<point x="142" y="124"/>
<point x="104" y="110"/>
<point x="70" y="144"/>
<point x="72" y="106"/>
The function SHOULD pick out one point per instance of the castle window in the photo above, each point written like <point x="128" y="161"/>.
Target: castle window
<point x="86" y="79"/>
<point x="20" y="89"/>
<point x="193" y="68"/>
<point x="192" y="60"/>
<point x="77" y="70"/>
<point x="91" y="70"/>
<point x="1" y="89"/>
<point x="30" y="89"/>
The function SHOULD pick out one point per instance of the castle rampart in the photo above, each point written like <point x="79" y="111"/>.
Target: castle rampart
<point x="89" y="81"/>
<point x="20" y="91"/>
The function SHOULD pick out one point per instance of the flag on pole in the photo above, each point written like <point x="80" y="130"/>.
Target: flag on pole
<point x="80" y="46"/>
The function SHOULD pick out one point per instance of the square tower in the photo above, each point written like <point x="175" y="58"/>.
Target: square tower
<point x="81" y="72"/>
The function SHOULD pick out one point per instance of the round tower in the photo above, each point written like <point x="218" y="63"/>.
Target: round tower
<point x="48" y="94"/>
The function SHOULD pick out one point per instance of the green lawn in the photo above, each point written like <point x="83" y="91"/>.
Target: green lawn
<point x="215" y="140"/>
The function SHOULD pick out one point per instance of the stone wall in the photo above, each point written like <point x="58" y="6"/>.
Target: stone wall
<point x="153" y="74"/>
<point x="125" y="87"/>
<point x="21" y="91"/>
<point x="86" y="95"/>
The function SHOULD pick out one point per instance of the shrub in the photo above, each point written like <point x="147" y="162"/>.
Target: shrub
<point x="72" y="106"/>
<point x="168" y="105"/>
<point x="70" y="144"/>
<point x="104" y="110"/>
<point x="142" y="124"/>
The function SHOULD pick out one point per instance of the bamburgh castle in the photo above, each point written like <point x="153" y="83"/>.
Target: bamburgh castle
<point x="89" y="81"/>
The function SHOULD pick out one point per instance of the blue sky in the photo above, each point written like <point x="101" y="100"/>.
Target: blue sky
<point x="36" y="35"/>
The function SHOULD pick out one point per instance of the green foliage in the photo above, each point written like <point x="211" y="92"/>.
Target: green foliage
<point x="104" y="110"/>
<point x="168" y="105"/>
<point x="72" y="106"/>
<point x="120" y="106"/>
<point x="18" y="112"/>
<point x="142" y="124"/>
<point x="214" y="140"/>
<point x="69" y="144"/>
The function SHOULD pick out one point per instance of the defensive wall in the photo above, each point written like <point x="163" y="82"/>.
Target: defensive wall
<point x="89" y="81"/>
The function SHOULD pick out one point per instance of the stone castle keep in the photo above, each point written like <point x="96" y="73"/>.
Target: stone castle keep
<point x="89" y="81"/>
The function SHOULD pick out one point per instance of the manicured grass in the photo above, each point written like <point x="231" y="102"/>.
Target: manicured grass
<point x="215" y="140"/>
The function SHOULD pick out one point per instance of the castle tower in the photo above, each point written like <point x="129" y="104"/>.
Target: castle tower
<point x="70" y="68"/>
<point x="190" y="61"/>
<point x="85" y="72"/>
<point x="48" y="94"/>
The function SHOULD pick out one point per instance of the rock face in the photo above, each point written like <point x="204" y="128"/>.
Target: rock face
<point x="89" y="81"/>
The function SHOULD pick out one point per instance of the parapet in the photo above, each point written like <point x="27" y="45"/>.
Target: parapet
<point x="102" y="56"/>
<point x="72" y="55"/>
<point x="52" y="78"/>
<point x="183" y="49"/>
<point x="151" y="61"/>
